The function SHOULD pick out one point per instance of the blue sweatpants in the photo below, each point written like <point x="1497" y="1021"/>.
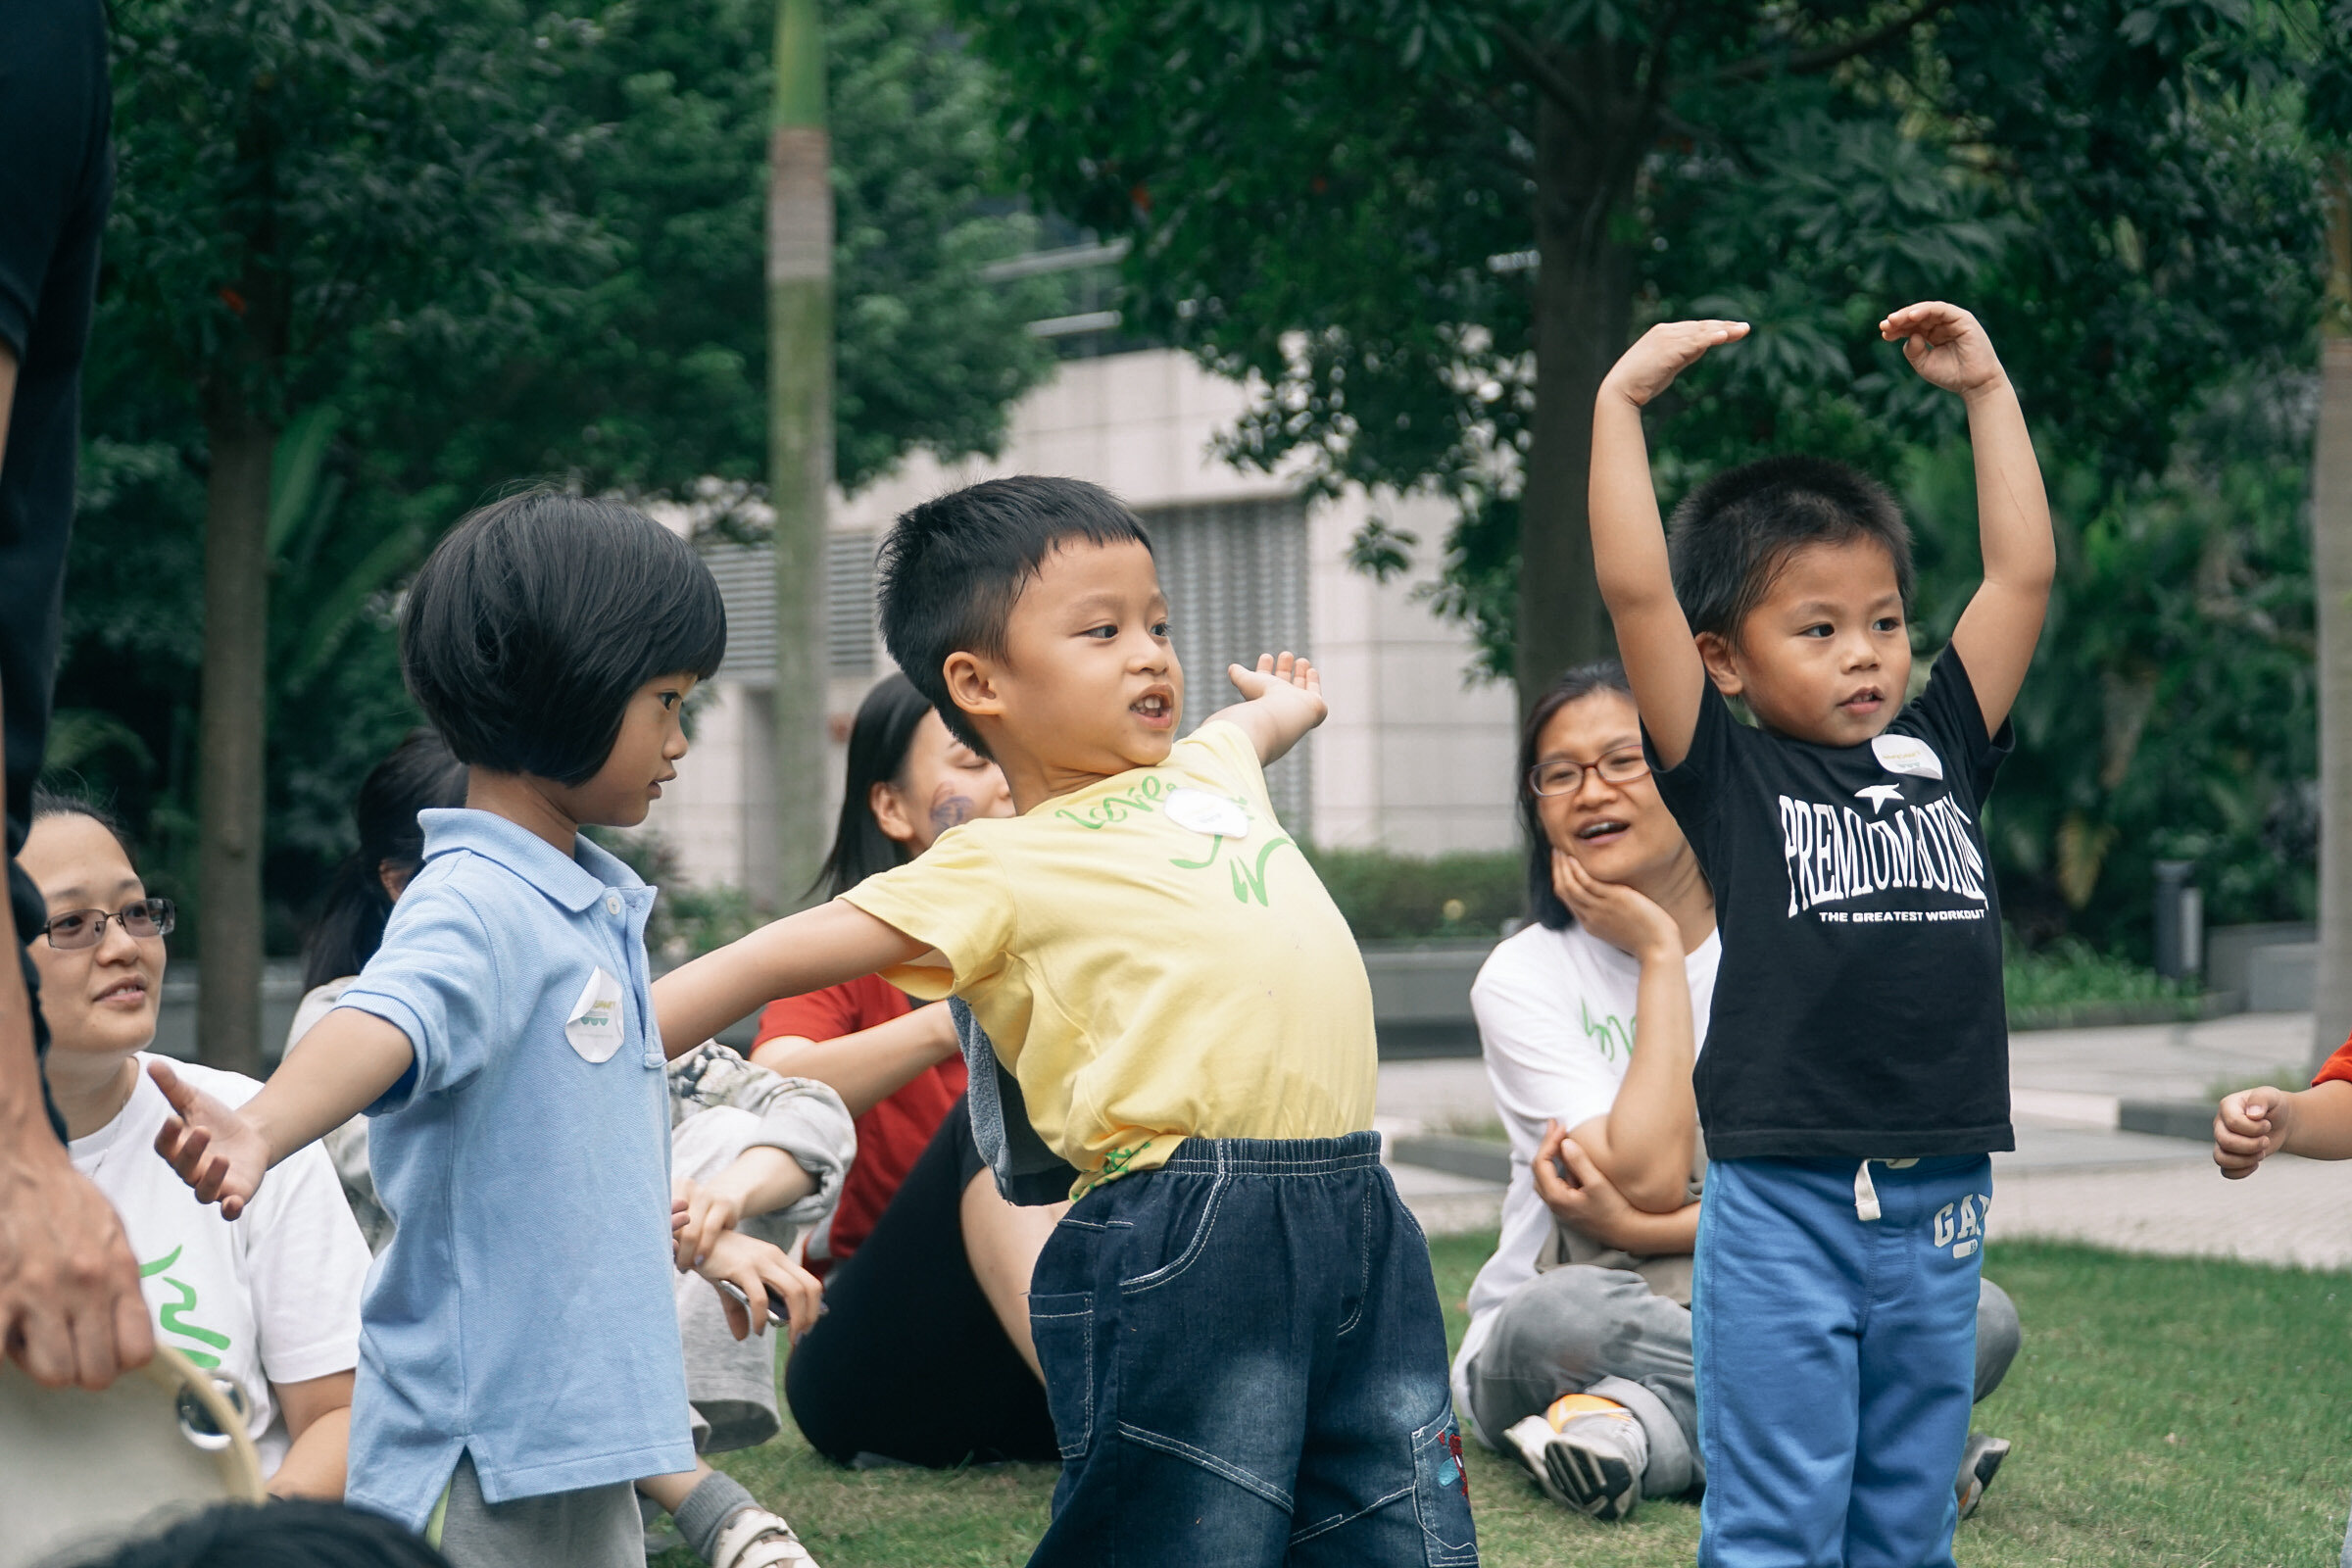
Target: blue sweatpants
<point x="1835" y="1359"/>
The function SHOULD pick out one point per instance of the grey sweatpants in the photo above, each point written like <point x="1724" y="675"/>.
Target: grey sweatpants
<point x="593" y="1528"/>
<point x="731" y="1383"/>
<point x="1583" y="1330"/>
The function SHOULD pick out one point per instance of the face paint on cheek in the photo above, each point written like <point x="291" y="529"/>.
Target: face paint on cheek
<point x="948" y="809"/>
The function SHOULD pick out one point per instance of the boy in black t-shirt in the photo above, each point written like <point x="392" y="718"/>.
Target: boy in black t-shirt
<point x="1855" y="1074"/>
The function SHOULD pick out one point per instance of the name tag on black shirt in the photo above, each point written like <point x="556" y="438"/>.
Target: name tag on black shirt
<point x="1858" y="1011"/>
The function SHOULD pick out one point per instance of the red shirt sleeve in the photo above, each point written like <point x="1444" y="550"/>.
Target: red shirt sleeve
<point x="830" y="1014"/>
<point x="2337" y="1067"/>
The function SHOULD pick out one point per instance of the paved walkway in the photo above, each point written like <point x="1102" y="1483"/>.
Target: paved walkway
<point x="2073" y="1176"/>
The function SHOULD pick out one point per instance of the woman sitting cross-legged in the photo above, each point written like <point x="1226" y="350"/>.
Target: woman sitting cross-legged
<point x="269" y="1302"/>
<point x="1578" y="1357"/>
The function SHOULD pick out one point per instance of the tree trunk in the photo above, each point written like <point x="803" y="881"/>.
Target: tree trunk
<point x="1584" y="311"/>
<point x="235" y="711"/>
<point x="799" y="434"/>
<point x="2331" y="591"/>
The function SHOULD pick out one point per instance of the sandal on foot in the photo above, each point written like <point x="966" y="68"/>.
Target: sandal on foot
<point x="757" y="1539"/>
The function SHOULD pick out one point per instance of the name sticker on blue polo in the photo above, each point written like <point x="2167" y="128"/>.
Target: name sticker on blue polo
<point x="594" y="1027"/>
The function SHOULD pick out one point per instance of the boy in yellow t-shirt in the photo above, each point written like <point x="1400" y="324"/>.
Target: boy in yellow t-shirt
<point x="1238" y="1327"/>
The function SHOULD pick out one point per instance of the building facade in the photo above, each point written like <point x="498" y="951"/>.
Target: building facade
<point x="1415" y="758"/>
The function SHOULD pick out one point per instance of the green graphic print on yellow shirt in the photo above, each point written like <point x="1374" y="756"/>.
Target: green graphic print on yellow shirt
<point x="1153" y="958"/>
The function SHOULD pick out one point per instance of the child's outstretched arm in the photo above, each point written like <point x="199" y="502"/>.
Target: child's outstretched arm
<point x="346" y="1063"/>
<point x="801" y="952"/>
<point x="1997" y="631"/>
<point x="1629" y="541"/>
<point x="1283" y="699"/>
<point x="2254" y="1124"/>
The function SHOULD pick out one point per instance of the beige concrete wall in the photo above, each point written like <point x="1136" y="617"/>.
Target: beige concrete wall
<point x="1415" y="757"/>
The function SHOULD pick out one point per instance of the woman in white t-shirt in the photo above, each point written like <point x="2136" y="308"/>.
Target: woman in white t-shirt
<point x="1578" y="1357"/>
<point x="270" y="1301"/>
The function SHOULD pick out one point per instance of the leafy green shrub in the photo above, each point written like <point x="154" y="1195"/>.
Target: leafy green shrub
<point x="1387" y="896"/>
<point x="2060" y="981"/>
<point x="686" y="921"/>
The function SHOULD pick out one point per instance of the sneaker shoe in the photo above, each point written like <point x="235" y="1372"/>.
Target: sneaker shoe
<point x="1980" y="1461"/>
<point x="1585" y="1452"/>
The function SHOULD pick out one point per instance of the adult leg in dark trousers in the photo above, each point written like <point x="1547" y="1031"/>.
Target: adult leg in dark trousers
<point x="69" y="1305"/>
<point x="909" y="1362"/>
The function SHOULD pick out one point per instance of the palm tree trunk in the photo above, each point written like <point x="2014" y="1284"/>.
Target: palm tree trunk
<point x="799" y="433"/>
<point x="229" y="746"/>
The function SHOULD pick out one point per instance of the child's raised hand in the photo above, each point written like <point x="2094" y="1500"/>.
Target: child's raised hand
<point x="1287" y="680"/>
<point x="1663" y="352"/>
<point x="2249" y="1127"/>
<point x="213" y="1148"/>
<point x="1946" y="346"/>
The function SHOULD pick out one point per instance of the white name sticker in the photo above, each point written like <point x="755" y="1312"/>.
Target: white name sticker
<point x="594" y="1027"/>
<point x="1907" y="754"/>
<point x="1208" y="813"/>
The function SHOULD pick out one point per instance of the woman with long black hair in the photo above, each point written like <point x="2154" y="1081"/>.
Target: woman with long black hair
<point x="923" y="1355"/>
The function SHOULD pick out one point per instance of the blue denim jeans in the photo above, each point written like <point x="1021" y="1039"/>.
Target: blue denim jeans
<point x="1836" y="1359"/>
<point x="1245" y="1365"/>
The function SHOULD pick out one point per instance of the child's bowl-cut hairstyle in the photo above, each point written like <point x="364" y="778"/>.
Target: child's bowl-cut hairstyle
<point x="539" y="616"/>
<point x="952" y="568"/>
<point x="1733" y="534"/>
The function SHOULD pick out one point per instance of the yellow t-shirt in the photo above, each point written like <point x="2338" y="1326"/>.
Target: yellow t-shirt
<point x="1153" y="958"/>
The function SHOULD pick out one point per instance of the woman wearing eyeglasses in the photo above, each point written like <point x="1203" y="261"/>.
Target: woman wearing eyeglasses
<point x="270" y="1301"/>
<point x="1577" y="1357"/>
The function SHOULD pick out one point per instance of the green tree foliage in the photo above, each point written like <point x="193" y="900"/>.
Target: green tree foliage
<point x="1349" y="198"/>
<point x="584" y="301"/>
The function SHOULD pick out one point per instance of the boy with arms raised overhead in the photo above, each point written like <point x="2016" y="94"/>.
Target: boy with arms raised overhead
<point x="1239" y="1336"/>
<point x="1855" y="1075"/>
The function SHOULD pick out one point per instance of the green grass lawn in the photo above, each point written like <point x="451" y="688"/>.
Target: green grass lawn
<point x="2166" y="1413"/>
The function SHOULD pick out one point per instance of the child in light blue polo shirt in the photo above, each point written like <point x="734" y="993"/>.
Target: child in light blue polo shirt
<point x="520" y="1359"/>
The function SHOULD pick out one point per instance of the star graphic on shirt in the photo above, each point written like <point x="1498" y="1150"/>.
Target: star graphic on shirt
<point x="1878" y="794"/>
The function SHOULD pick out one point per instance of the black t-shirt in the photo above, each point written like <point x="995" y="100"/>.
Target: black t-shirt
<point x="1858" y="1008"/>
<point x="56" y="178"/>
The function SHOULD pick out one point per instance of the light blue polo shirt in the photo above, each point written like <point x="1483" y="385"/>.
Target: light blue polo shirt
<point x="523" y="1310"/>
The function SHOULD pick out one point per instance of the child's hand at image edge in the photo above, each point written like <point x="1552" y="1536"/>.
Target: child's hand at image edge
<point x="2249" y="1127"/>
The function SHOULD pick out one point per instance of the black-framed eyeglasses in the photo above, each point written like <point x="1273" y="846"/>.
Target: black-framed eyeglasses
<point x="87" y="928"/>
<point x="1558" y="775"/>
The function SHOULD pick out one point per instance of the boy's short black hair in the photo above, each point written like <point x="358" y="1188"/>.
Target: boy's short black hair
<point x="1731" y="535"/>
<point x="539" y="616"/>
<point x="952" y="568"/>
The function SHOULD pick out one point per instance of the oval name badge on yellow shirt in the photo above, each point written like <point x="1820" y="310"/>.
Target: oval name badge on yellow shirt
<point x="1208" y="813"/>
<point x="594" y="1027"/>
